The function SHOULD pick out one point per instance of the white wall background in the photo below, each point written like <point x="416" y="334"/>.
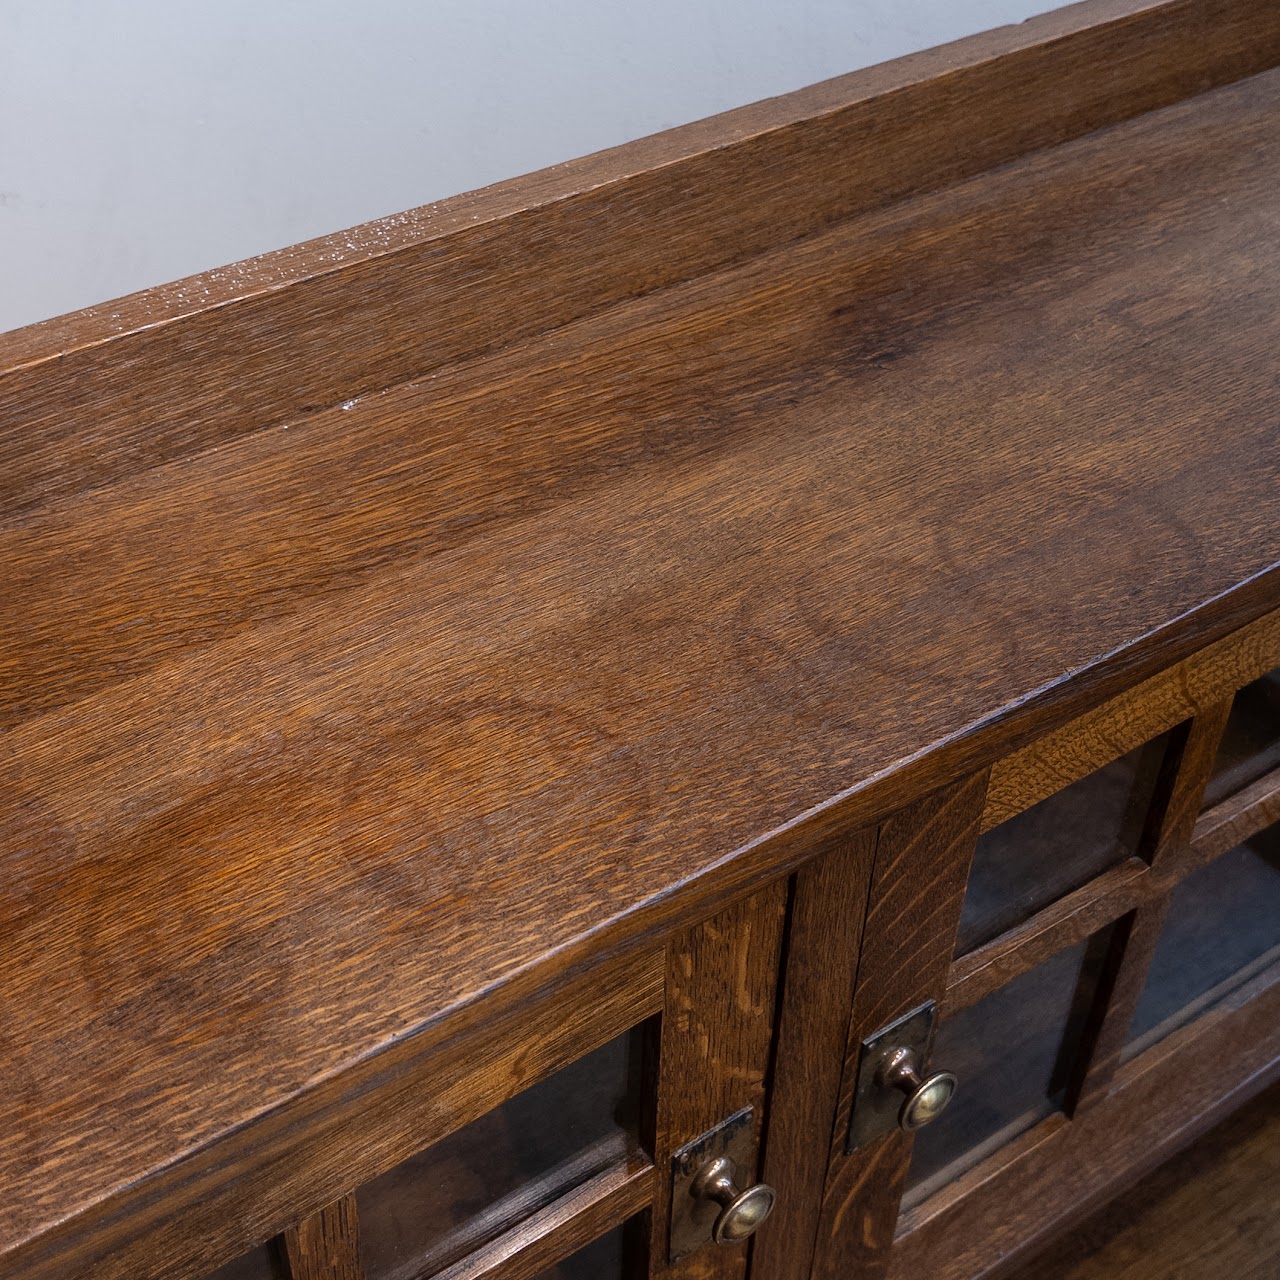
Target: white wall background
<point x="143" y="140"/>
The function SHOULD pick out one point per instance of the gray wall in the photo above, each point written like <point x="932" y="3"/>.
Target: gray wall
<point x="143" y="140"/>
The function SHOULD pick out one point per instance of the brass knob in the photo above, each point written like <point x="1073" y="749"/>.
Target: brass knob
<point x="742" y="1211"/>
<point x="927" y="1097"/>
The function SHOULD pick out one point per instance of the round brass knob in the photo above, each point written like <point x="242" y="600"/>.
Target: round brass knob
<point x="927" y="1097"/>
<point x="742" y="1212"/>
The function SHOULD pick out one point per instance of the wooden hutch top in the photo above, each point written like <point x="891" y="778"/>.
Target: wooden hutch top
<point x="393" y="622"/>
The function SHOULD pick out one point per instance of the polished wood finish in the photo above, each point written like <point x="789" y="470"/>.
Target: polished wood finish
<point x="717" y="1039"/>
<point x="196" y="364"/>
<point x="1210" y="1211"/>
<point x="213" y="1204"/>
<point x="1061" y="1170"/>
<point x="326" y="1245"/>
<point x="908" y="940"/>
<point x="408" y="656"/>
<point x="824" y="932"/>
<point x="305" y="834"/>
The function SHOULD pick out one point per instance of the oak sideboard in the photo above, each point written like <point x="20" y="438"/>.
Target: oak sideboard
<point x="713" y="711"/>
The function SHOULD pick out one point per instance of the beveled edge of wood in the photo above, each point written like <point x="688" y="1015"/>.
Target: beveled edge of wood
<point x="306" y="1154"/>
<point x="395" y="234"/>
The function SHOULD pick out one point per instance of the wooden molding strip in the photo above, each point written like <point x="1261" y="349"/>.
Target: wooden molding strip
<point x="1062" y="924"/>
<point x="175" y="370"/>
<point x="1236" y="819"/>
<point x="554" y="1233"/>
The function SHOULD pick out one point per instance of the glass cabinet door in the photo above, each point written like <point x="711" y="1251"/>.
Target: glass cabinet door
<point x="1223" y="927"/>
<point x="1037" y="957"/>
<point x="551" y="1145"/>
<point x="464" y="1191"/>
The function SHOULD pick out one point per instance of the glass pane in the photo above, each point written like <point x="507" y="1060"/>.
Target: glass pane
<point x="1251" y="741"/>
<point x="1059" y="844"/>
<point x="442" y="1203"/>
<point x="1223" y="926"/>
<point x="612" y="1257"/>
<point x="257" y="1264"/>
<point x="1013" y="1053"/>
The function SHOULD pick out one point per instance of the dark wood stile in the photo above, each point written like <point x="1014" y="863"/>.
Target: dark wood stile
<point x="326" y="1245"/>
<point x="717" y="1037"/>
<point x="908" y="940"/>
<point x="828" y="906"/>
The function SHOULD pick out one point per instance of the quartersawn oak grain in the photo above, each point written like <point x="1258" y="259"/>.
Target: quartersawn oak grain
<point x="326" y="1245"/>
<point x="828" y="905"/>
<point x="326" y="736"/>
<point x="717" y="1034"/>
<point x="908" y="941"/>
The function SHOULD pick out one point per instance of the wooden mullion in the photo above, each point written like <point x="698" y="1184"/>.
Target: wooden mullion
<point x="326" y="1245"/>
<point x="1177" y="805"/>
<point x="554" y="1233"/>
<point x="1236" y="819"/>
<point x="828" y="909"/>
<point x="1173" y="817"/>
<point x="1062" y="924"/>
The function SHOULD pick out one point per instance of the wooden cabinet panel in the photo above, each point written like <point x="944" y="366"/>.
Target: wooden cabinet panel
<point x="717" y="1040"/>
<point x="917" y="885"/>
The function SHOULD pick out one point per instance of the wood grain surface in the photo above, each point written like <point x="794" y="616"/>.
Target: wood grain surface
<point x="326" y="1245"/>
<point x="828" y="907"/>
<point x="124" y="386"/>
<point x="913" y="912"/>
<point x="717" y="1044"/>
<point x="321" y="737"/>
<point x="1174" y="695"/>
